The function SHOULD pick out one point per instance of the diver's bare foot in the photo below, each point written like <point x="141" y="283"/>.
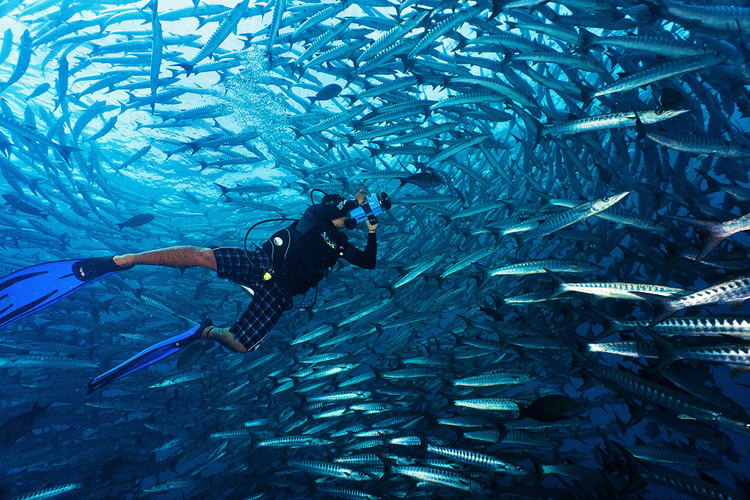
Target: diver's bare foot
<point x="124" y="260"/>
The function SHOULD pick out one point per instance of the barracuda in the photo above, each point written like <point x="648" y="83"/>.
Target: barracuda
<point x="421" y="133"/>
<point x="539" y="267"/>
<point x="444" y="27"/>
<point x="497" y="87"/>
<point x="728" y="292"/>
<point x="346" y="336"/>
<point x="347" y="493"/>
<point x="322" y="357"/>
<point x="730" y="354"/>
<point x="693" y="487"/>
<point x="662" y="45"/>
<point x="478" y="459"/>
<point x="574" y="215"/>
<point x="718" y="17"/>
<point x="660" y="72"/>
<point x="233" y="434"/>
<point x="421" y="200"/>
<point x="479" y="209"/>
<point x="615" y="290"/>
<point x="561" y="59"/>
<point x="505" y="40"/>
<point x="340" y="396"/>
<point x="331" y="370"/>
<point x="494" y="378"/>
<point x="293" y="442"/>
<point x="378" y="132"/>
<point x="405" y="373"/>
<point x="322" y="40"/>
<point x="681" y="403"/>
<point x="699" y="145"/>
<point x="389" y="37"/>
<point x="521" y="227"/>
<point x="381" y="304"/>
<point x="329" y="469"/>
<point x="464" y="421"/>
<point x="417" y="271"/>
<point x="180" y="379"/>
<point x="33" y="135"/>
<point x="486" y="436"/>
<point x="531" y="297"/>
<point x="455" y="149"/>
<point x="714" y="326"/>
<point x="489" y="404"/>
<point x="468" y="260"/>
<point x="39" y="361"/>
<point x="473" y="98"/>
<point x="612" y="120"/>
<point x="713" y="233"/>
<point x="333" y="120"/>
<point x="437" y="476"/>
<point x="637" y="349"/>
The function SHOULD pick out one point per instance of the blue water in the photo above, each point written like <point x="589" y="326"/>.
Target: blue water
<point x="135" y="439"/>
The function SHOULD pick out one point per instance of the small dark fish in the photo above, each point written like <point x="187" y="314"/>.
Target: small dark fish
<point x="671" y="98"/>
<point x="15" y="427"/>
<point x="190" y="355"/>
<point x="550" y="408"/>
<point x="41" y="89"/>
<point x="422" y="179"/>
<point x="136" y="221"/>
<point x="20" y="205"/>
<point x="326" y="93"/>
<point x="7" y="45"/>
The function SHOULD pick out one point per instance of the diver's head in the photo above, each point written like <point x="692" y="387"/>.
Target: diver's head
<point x="336" y="209"/>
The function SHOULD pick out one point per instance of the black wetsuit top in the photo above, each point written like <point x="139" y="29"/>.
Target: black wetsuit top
<point x="315" y="246"/>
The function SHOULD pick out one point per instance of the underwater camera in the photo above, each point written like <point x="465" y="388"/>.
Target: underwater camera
<point x="375" y="205"/>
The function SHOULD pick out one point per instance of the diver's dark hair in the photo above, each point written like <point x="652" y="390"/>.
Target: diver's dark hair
<point x="332" y="199"/>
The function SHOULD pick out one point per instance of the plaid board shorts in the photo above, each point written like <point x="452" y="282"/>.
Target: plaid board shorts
<point x="269" y="301"/>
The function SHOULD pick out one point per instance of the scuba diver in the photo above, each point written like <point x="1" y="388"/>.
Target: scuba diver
<point x="295" y="259"/>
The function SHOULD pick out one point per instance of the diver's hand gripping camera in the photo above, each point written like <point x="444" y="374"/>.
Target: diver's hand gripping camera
<point x="373" y="206"/>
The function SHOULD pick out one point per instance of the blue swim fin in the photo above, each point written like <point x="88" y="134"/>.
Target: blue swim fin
<point x="147" y="357"/>
<point x="32" y="289"/>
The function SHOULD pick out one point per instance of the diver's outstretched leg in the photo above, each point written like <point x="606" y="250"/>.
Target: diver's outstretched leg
<point x="179" y="256"/>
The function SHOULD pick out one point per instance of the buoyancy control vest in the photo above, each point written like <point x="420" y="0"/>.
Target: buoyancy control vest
<point x="304" y="252"/>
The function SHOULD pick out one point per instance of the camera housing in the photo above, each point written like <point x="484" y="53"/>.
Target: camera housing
<point x="375" y="205"/>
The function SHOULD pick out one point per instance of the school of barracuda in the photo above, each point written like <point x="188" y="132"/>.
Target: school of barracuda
<point x="556" y="310"/>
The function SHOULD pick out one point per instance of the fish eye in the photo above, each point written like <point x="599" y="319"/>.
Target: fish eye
<point x="606" y="198"/>
<point x="661" y="111"/>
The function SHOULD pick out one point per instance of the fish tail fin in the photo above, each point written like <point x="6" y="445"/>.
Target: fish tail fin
<point x="639" y="127"/>
<point x="224" y="189"/>
<point x="663" y="306"/>
<point x="497" y="8"/>
<point x="65" y="152"/>
<point x="187" y="66"/>
<point x="610" y="324"/>
<point x="713" y="184"/>
<point x="587" y="40"/>
<point x="665" y="349"/>
<point x="710" y="241"/>
<point x="523" y="411"/>
<point x="558" y="282"/>
<point x="587" y="95"/>
<point x="538" y="469"/>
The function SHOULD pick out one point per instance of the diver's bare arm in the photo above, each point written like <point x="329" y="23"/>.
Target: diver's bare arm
<point x="179" y="256"/>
